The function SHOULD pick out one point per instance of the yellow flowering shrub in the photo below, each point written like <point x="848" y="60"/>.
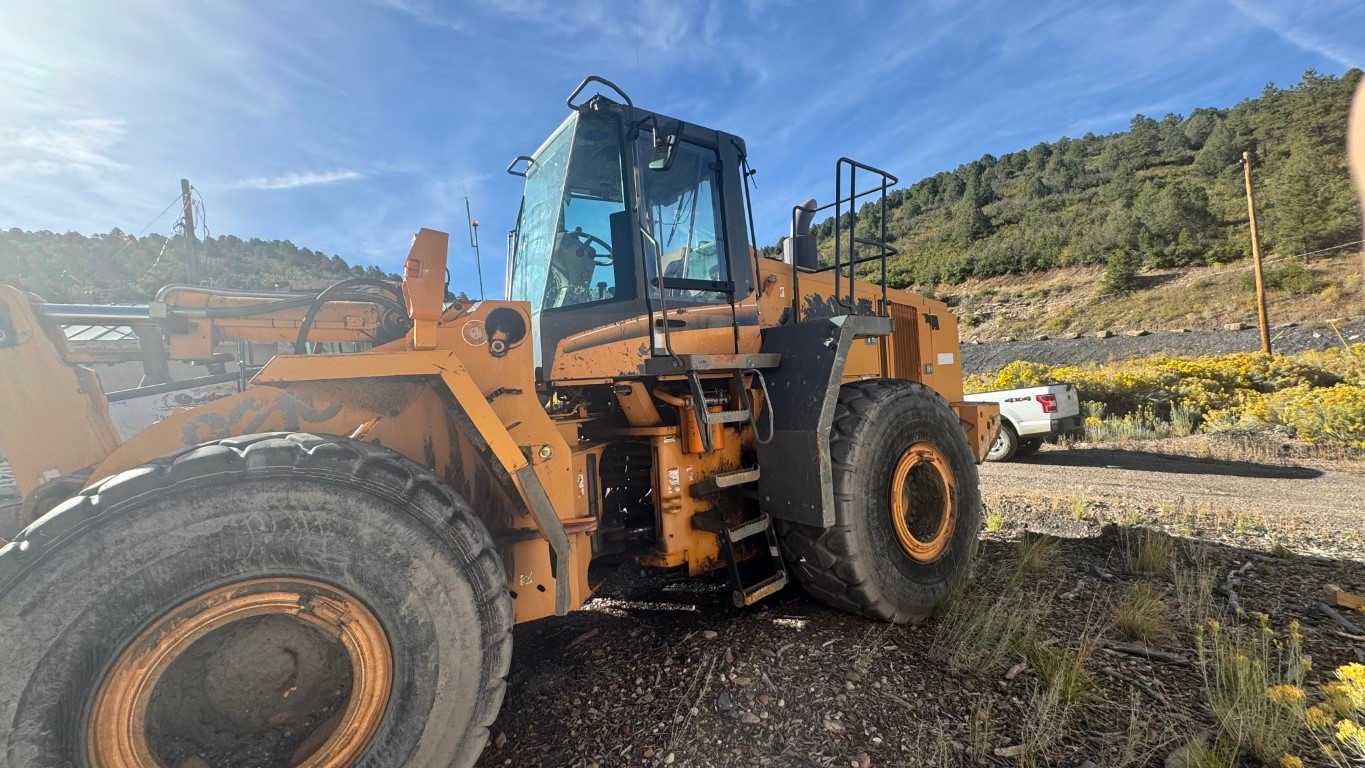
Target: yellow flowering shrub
<point x="1318" y="396"/>
<point x="1336" y="720"/>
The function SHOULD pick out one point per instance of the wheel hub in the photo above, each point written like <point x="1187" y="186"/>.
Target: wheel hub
<point x="268" y="671"/>
<point x="923" y="502"/>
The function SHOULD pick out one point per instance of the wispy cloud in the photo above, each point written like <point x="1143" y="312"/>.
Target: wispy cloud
<point x="83" y="146"/>
<point x="425" y="12"/>
<point x="296" y="180"/>
<point x="1294" y="34"/>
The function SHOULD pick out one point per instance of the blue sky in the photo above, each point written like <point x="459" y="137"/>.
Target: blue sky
<point x="345" y="126"/>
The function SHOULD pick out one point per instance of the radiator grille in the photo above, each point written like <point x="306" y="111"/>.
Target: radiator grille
<point x="904" y="342"/>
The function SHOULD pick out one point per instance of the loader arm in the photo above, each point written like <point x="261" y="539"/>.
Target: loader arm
<point x="56" y="413"/>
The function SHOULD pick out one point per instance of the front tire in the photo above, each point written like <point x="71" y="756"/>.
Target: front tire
<point x="295" y="590"/>
<point x="907" y="506"/>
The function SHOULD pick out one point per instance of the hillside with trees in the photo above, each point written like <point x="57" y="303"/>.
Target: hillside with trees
<point x="1165" y="193"/>
<point x="120" y="268"/>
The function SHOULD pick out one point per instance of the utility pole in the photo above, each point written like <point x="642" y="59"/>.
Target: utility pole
<point x="1262" y="320"/>
<point x="191" y="262"/>
<point x="474" y="243"/>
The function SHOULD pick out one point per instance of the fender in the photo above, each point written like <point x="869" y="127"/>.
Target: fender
<point x="427" y="406"/>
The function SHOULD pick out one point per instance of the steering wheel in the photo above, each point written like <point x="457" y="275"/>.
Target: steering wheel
<point x="589" y="239"/>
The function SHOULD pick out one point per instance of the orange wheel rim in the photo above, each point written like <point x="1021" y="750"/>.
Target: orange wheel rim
<point x="923" y="502"/>
<point x="117" y="730"/>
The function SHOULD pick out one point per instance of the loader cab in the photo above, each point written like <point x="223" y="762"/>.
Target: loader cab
<point x="631" y="230"/>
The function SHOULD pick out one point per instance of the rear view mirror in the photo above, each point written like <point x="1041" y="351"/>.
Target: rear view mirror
<point x="664" y="145"/>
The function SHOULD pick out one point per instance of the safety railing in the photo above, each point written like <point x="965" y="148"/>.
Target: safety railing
<point x="885" y="180"/>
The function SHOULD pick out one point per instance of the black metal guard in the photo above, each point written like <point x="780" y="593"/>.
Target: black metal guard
<point x="887" y="180"/>
<point x="590" y="79"/>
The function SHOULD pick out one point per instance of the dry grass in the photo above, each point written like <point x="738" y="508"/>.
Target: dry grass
<point x="1143" y="615"/>
<point x="1194" y="584"/>
<point x="1147" y="552"/>
<point x="1064" y="669"/>
<point x="981" y="728"/>
<point x="1032" y="553"/>
<point x="984" y="633"/>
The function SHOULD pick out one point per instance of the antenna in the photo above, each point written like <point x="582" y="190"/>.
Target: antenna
<point x="474" y="243"/>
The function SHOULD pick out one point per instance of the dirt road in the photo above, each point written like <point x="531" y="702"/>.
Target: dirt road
<point x="1314" y="507"/>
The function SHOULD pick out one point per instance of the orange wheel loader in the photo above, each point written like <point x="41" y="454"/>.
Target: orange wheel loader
<point x="322" y="565"/>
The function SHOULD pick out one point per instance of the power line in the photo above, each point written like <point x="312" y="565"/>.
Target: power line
<point x="144" y="229"/>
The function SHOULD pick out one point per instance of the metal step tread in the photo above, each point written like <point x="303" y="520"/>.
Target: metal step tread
<point x="752" y="594"/>
<point x="723" y="480"/>
<point x="744" y="530"/>
<point x="726" y="417"/>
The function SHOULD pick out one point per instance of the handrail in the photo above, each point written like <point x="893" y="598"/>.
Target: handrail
<point x="530" y="161"/>
<point x="884" y="250"/>
<point x="595" y="79"/>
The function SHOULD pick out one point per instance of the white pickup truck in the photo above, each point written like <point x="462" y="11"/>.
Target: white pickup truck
<point x="1030" y="416"/>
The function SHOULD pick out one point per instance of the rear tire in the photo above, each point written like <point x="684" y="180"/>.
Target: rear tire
<point x="865" y="563"/>
<point x="1006" y="444"/>
<point x="79" y="585"/>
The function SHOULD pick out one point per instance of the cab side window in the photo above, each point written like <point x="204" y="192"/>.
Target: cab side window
<point x="682" y="213"/>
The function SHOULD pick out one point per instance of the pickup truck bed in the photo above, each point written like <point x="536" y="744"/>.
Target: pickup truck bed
<point x="1030" y="416"/>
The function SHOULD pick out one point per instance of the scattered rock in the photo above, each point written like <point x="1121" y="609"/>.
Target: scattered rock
<point x="1041" y="337"/>
<point x="500" y="740"/>
<point x="833" y="726"/>
<point x="1235" y="327"/>
<point x="669" y="758"/>
<point x="1007" y="339"/>
<point x="709" y="634"/>
<point x="863" y="760"/>
<point x="1137" y="332"/>
<point x="1011" y="751"/>
<point x="750" y="718"/>
<point x="1104" y="334"/>
<point x="1179" y="330"/>
<point x="1016" y="670"/>
<point x="725" y="702"/>
<point x="1072" y="335"/>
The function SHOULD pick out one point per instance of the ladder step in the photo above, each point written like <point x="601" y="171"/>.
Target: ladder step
<point x="726" y="417"/>
<point x="750" y="529"/>
<point x="724" y="480"/>
<point x="752" y="594"/>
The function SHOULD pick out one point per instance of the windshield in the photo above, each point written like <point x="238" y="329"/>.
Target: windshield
<point x="573" y="203"/>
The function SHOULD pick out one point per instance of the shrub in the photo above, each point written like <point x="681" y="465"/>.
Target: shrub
<point x="1293" y="279"/>
<point x="1318" y="395"/>
<point x="1121" y="272"/>
<point x="1253" y="684"/>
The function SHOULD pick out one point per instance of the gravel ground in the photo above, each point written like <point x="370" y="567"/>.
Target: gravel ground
<point x="656" y="671"/>
<point x="991" y="356"/>
<point x="652" y="674"/>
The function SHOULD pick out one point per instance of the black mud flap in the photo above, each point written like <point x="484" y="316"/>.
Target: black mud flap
<point x="796" y="483"/>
